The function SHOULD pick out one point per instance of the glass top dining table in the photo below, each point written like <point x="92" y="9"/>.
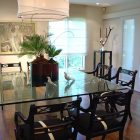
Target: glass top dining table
<point x="17" y="88"/>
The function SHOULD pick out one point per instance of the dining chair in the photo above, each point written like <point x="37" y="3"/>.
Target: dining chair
<point x="7" y="69"/>
<point x="107" y="114"/>
<point x="125" y="77"/>
<point x="11" y="67"/>
<point x="48" y="126"/>
<point x="102" y="71"/>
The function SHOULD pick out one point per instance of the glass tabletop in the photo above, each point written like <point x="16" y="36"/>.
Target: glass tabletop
<point x="17" y="88"/>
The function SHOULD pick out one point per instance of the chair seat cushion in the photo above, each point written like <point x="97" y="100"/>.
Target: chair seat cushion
<point x="84" y="118"/>
<point x="63" y="134"/>
<point x="111" y="122"/>
<point x="96" y="127"/>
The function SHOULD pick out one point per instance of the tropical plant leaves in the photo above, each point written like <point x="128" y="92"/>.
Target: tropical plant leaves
<point x="52" y="51"/>
<point x="38" y="45"/>
<point x="33" y="45"/>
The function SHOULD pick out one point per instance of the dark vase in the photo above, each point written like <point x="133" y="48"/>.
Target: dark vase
<point x="41" y="68"/>
<point x="40" y="59"/>
<point x="52" y="61"/>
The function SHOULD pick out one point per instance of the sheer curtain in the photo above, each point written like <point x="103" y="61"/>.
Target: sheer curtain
<point x="128" y="43"/>
<point x="70" y="36"/>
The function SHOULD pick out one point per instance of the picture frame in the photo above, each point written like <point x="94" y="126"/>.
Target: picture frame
<point x="12" y="33"/>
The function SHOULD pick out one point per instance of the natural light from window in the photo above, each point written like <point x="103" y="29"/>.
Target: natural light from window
<point x="70" y="36"/>
<point x="128" y="43"/>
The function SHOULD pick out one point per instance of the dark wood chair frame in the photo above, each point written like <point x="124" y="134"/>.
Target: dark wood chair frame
<point x="109" y="102"/>
<point x="131" y="73"/>
<point x="64" y="121"/>
<point x="130" y="84"/>
<point x="100" y="71"/>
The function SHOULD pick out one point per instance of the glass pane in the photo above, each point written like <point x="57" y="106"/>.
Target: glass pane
<point x="128" y="43"/>
<point x="75" y="61"/>
<point x="61" y="60"/>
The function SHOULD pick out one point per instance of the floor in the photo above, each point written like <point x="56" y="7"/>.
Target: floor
<point x="132" y="129"/>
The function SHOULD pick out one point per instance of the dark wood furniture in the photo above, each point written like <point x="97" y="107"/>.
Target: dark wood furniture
<point x="111" y="116"/>
<point x="125" y="78"/>
<point x="102" y="57"/>
<point x="122" y="79"/>
<point x="131" y="132"/>
<point x="58" y="127"/>
<point x="42" y="68"/>
<point x="102" y="71"/>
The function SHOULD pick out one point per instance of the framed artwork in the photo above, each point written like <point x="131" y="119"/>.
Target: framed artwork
<point x="12" y="33"/>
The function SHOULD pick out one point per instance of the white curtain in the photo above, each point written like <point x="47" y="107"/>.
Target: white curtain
<point x="69" y="35"/>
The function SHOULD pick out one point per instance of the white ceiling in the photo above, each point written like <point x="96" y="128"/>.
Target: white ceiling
<point x="103" y="3"/>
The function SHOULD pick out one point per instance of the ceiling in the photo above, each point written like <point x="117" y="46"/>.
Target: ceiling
<point x="103" y="3"/>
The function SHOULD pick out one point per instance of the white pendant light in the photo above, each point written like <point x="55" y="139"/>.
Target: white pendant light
<point x="43" y="9"/>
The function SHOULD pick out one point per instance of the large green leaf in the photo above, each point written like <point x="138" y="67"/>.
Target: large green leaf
<point x="52" y="51"/>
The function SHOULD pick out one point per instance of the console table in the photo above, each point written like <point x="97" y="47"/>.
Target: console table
<point x="102" y="57"/>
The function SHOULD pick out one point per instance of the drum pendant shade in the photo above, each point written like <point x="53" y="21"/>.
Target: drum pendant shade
<point x="43" y="9"/>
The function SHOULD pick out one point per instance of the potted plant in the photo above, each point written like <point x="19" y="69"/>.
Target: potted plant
<point x="37" y="45"/>
<point x="52" y="52"/>
<point x="34" y="45"/>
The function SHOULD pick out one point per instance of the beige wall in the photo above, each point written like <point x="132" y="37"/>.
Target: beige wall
<point x="115" y="17"/>
<point x="125" y="6"/>
<point x="93" y="15"/>
<point x="114" y="42"/>
<point x="8" y="13"/>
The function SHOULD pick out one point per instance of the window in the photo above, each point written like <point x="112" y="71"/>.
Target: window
<point x="128" y="43"/>
<point x="70" y="36"/>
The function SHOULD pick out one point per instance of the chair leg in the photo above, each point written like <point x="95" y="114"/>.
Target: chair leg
<point x="130" y="116"/>
<point x="129" y="109"/>
<point x="103" y="137"/>
<point x="121" y="135"/>
<point x="87" y="138"/>
<point x="16" y="134"/>
<point x="75" y="135"/>
<point x="129" y="112"/>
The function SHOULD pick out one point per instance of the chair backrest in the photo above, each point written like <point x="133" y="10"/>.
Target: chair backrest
<point x="103" y="71"/>
<point x="46" y="109"/>
<point x="114" y="106"/>
<point x="63" y="110"/>
<point x="107" y="113"/>
<point x="125" y="77"/>
<point x="10" y="67"/>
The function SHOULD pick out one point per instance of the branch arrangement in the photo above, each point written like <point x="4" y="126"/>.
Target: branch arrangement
<point x="104" y="40"/>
